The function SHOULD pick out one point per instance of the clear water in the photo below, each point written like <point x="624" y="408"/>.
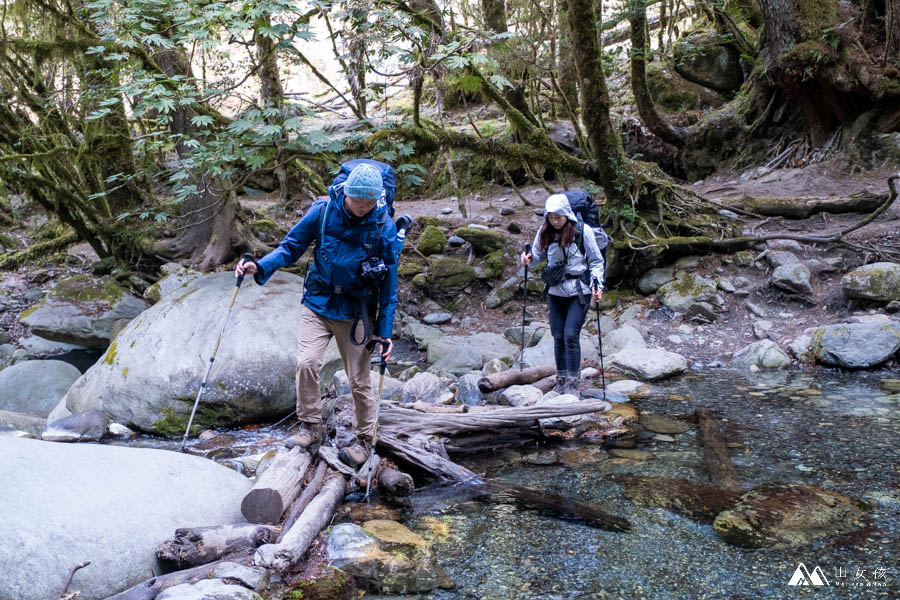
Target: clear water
<point x="833" y="430"/>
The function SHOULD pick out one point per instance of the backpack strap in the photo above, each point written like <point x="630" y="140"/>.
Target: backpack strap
<point x="320" y="236"/>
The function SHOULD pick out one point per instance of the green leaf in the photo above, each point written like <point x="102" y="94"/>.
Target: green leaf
<point x="202" y="120"/>
<point x="457" y="62"/>
<point x="468" y="83"/>
<point x="500" y="81"/>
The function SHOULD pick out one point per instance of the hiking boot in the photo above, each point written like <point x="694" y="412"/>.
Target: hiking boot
<point x="356" y="453"/>
<point x="560" y="386"/>
<point x="573" y="386"/>
<point x="308" y="435"/>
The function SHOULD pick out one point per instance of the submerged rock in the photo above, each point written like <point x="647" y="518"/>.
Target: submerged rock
<point x="663" y="424"/>
<point x="699" y="502"/>
<point x="780" y="515"/>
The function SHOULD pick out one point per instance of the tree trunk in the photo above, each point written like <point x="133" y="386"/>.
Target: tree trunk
<point x="494" y="12"/>
<point x="310" y="491"/>
<point x="568" y="75"/>
<point x="891" y="32"/>
<point x="603" y="137"/>
<point x="276" y="488"/>
<point x="202" y="545"/>
<point x="646" y="109"/>
<point x="272" y="93"/>
<point x="715" y="452"/>
<point x="150" y="589"/>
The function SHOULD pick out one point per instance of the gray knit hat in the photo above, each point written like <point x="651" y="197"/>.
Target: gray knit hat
<point x="364" y="182"/>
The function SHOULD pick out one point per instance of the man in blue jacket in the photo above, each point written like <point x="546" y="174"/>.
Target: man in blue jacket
<point x="352" y="278"/>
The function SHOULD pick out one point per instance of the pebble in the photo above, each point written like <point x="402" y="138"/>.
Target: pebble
<point x="437" y="318"/>
<point x="446" y="211"/>
<point x="507" y="210"/>
<point x="456" y="241"/>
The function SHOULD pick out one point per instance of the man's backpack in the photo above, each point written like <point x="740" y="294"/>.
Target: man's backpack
<point x="587" y="213"/>
<point x="388" y="179"/>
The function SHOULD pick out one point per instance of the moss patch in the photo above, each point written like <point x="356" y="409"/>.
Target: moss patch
<point x="333" y="585"/>
<point x="84" y="289"/>
<point x="484" y="241"/>
<point x="495" y="264"/>
<point x="431" y="241"/>
<point x="209" y="416"/>
<point x="425" y="222"/>
<point x="410" y="269"/>
<point x="451" y="273"/>
<point x="110" y="357"/>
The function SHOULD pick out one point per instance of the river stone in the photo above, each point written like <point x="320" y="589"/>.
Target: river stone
<point x="175" y="278"/>
<point x="503" y="293"/>
<point x="630" y="453"/>
<point x="878" y="281"/>
<point x="552" y="398"/>
<point x="489" y="345"/>
<point x="663" y="424"/>
<point x="426" y="387"/>
<point x="654" y="279"/>
<point x="437" y="318"/>
<point x="81" y="311"/>
<point x="391" y="388"/>
<point x="39" y="346"/>
<point x="778" y="515"/>
<point x="109" y="504"/>
<point x="520" y="395"/>
<point x="801" y="348"/>
<point x="725" y="285"/>
<point x="792" y="278"/>
<point x="781" y="258"/>
<point x="208" y="589"/>
<point x="149" y="377"/>
<point x="856" y="345"/>
<point x="764" y="354"/>
<point x="648" y="363"/>
<point x="534" y="333"/>
<point x="680" y="294"/>
<point x="23" y="422"/>
<point x="82" y="427"/>
<point x="419" y="333"/>
<point x="35" y="387"/>
<point x="467" y="390"/>
<point x="623" y="338"/>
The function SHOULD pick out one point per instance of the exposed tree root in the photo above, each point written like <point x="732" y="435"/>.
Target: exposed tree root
<point x="14" y="259"/>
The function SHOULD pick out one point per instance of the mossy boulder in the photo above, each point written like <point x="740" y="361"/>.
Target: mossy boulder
<point x="482" y="239"/>
<point x="425" y="222"/>
<point x="675" y="93"/>
<point x="410" y="268"/>
<point x="450" y="274"/>
<point x="878" y="281"/>
<point x="685" y="291"/>
<point x="494" y="264"/>
<point x="784" y="515"/>
<point x="431" y="241"/>
<point x="704" y="58"/>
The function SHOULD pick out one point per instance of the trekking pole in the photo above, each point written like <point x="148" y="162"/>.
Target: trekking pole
<point x="524" y="297"/>
<point x="237" y="286"/>
<point x="600" y="340"/>
<point x="381" y="369"/>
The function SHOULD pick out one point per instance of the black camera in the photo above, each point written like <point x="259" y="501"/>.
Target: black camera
<point x="374" y="270"/>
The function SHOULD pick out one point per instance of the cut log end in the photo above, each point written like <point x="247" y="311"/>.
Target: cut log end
<point x="262" y="506"/>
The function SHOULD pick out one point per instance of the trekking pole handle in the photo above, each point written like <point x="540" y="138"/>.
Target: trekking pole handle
<point x="240" y="279"/>
<point x="527" y="249"/>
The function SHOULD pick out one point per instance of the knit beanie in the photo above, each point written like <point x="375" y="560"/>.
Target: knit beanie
<point x="364" y="182"/>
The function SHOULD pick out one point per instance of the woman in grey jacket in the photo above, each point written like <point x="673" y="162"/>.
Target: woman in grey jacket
<point x="580" y="270"/>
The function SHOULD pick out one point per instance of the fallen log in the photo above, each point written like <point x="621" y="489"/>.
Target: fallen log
<point x="296" y="541"/>
<point x="277" y="487"/>
<point x="801" y="208"/>
<point x="394" y="483"/>
<point x="151" y="588"/>
<point x="200" y="545"/>
<point x="715" y="452"/>
<point x="504" y="379"/>
<point x="309" y="492"/>
<point x="472" y="443"/>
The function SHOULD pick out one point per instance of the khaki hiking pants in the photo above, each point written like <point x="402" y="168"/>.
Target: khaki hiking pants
<point x="312" y="339"/>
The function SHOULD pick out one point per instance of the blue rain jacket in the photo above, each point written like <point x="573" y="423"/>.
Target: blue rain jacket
<point x="333" y="285"/>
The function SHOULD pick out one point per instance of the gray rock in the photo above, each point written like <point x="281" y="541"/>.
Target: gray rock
<point x="391" y="388"/>
<point x="503" y="294"/>
<point x="426" y="387"/>
<point x="251" y="577"/>
<point x="520" y="395"/>
<point x="103" y="503"/>
<point x="725" y="285"/>
<point x="495" y="365"/>
<point x="467" y="390"/>
<point x="437" y="318"/>
<point x="507" y="210"/>
<point x="878" y="281"/>
<point x="454" y="241"/>
<point x="35" y="387"/>
<point x="741" y="282"/>
<point x="688" y="262"/>
<point x="119" y="431"/>
<point x="446" y="211"/>
<point x="680" y="294"/>
<point x="554" y="399"/>
<point x="39" y="346"/>
<point x="654" y="279"/>
<point x="34" y="295"/>
<point x="856" y="345"/>
<point x="701" y="312"/>
<point x="421" y="334"/>
<point x="623" y="338"/>
<point x="208" y="589"/>
<point x="762" y="328"/>
<point x="780" y="258"/>
<point x="801" y="348"/>
<point x="606" y="324"/>
<point x="12" y="432"/>
<point x="4" y="337"/>
<point x="793" y="278"/>
<point x="756" y="310"/>
<point x="175" y="279"/>
<point x="348" y="544"/>
<point x="632" y="313"/>
<point x="82" y="427"/>
<point x="764" y="354"/>
<point x="789" y="245"/>
<point x="534" y="333"/>
<point x="6" y="352"/>
<point x="648" y="363"/>
<point x="630" y="388"/>
<point x="23" y="422"/>
<point x="60" y="411"/>
<point x="458" y="351"/>
<point x="150" y="375"/>
<point x="893" y="307"/>
<point x="62" y="317"/>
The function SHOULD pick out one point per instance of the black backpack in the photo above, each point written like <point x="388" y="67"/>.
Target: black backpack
<point x="587" y="213"/>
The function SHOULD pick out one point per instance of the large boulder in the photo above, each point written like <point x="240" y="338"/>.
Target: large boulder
<point x="686" y="290"/>
<point x="648" y="363"/>
<point x="856" y="345"/>
<point x="878" y="281"/>
<point x="448" y="276"/>
<point x="503" y="293"/>
<point x="431" y="241"/>
<point x="764" y="354"/>
<point x="461" y="354"/>
<point x="779" y="515"/>
<point x="483" y="240"/>
<point x="705" y="59"/>
<point x="654" y="279"/>
<point x="149" y="377"/>
<point x="175" y="277"/>
<point x="107" y="504"/>
<point x="623" y="338"/>
<point x="420" y="333"/>
<point x="675" y="93"/>
<point x="35" y="387"/>
<point x="82" y="311"/>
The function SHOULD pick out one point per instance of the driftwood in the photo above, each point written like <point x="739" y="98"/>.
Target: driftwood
<point x="309" y="492"/>
<point x="437" y="408"/>
<point x="395" y="483"/>
<point x="276" y="488"/>
<point x="150" y="589"/>
<point x="357" y="476"/>
<point x="200" y="545"/>
<point x="63" y="594"/>
<point x="296" y="541"/>
<point x="715" y="451"/>
<point x="801" y="208"/>
<point x="504" y="379"/>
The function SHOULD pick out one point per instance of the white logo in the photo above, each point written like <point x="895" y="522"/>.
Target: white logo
<point x="803" y="577"/>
